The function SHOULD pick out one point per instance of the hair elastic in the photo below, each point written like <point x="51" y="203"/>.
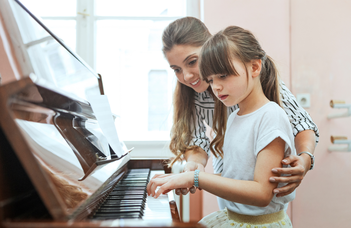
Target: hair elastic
<point x="265" y="56"/>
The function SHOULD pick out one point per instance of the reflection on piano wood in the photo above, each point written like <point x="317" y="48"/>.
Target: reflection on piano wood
<point x="33" y="152"/>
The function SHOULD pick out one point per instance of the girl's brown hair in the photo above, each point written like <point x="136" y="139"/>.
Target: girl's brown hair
<point x="184" y="31"/>
<point x="216" y="58"/>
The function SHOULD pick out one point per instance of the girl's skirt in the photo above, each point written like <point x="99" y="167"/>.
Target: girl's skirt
<point x="227" y="218"/>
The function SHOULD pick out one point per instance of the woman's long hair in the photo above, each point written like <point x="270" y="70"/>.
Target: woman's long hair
<point x="216" y="58"/>
<point x="184" y="31"/>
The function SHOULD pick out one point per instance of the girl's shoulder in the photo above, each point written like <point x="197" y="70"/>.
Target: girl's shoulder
<point x="274" y="116"/>
<point x="273" y="109"/>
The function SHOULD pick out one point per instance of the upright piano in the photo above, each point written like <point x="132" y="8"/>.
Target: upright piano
<point x="57" y="167"/>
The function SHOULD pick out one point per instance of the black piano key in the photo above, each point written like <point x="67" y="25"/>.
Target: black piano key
<point x="134" y="180"/>
<point x="141" y="183"/>
<point x="129" y="188"/>
<point x="119" y="203"/>
<point x="146" y="170"/>
<point x="123" y="192"/>
<point x="126" y="207"/>
<point x="131" y="184"/>
<point x="120" y="210"/>
<point x="118" y="216"/>
<point x="137" y="178"/>
<point x="126" y="197"/>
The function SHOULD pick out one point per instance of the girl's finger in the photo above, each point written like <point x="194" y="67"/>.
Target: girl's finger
<point x="165" y="192"/>
<point x="153" y="187"/>
<point x="185" y="191"/>
<point x="161" y="189"/>
<point x="192" y="189"/>
<point x="178" y="191"/>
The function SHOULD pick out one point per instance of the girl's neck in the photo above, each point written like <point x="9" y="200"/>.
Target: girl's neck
<point x="254" y="100"/>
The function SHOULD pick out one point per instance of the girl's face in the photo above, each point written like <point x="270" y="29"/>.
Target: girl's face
<point x="232" y="89"/>
<point x="183" y="59"/>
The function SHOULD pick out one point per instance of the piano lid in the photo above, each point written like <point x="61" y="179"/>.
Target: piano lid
<point x="50" y="123"/>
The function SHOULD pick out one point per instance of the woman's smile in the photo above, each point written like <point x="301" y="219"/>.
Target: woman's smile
<point x="196" y="83"/>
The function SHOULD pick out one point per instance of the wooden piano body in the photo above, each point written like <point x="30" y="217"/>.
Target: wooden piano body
<point x="29" y="196"/>
<point x="56" y="167"/>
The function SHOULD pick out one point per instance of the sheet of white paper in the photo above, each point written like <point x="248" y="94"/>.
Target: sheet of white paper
<point x="102" y="111"/>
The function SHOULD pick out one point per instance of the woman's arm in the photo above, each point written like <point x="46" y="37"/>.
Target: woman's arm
<point x="304" y="141"/>
<point x="306" y="137"/>
<point x="196" y="159"/>
<point x="257" y="192"/>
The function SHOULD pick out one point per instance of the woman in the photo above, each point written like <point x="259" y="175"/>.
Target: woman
<point x="194" y="108"/>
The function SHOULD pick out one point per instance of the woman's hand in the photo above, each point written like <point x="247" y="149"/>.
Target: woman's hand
<point x="192" y="166"/>
<point x="298" y="170"/>
<point x="167" y="182"/>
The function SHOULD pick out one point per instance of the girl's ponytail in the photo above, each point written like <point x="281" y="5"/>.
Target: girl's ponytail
<point x="269" y="80"/>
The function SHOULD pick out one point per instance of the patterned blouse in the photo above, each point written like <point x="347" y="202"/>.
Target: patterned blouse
<point x="204" y="107"/>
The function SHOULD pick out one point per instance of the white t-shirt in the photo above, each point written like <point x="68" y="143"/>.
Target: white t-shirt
<point x="245" y="137"/>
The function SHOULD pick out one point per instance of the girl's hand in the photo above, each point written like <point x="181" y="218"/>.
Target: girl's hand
<point x="168" y="182"/>
<point x="297" y="171"/>
<point x="190" y="166"/>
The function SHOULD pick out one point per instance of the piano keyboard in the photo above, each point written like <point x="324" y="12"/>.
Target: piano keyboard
<point x="129" y="199"/>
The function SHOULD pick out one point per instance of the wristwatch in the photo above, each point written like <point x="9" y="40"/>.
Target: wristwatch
<point x="312" y="158"/>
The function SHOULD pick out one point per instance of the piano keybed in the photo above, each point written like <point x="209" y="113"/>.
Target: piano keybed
<point x="129" y="200"/>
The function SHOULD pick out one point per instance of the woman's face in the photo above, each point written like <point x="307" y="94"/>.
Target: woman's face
<point x="183" y="59"/>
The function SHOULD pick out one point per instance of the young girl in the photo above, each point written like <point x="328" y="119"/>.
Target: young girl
<point x="194" y="106"/>
<point x="257" y="136"/>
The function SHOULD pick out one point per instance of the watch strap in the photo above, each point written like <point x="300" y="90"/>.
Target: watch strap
<point x="312" y="158"/>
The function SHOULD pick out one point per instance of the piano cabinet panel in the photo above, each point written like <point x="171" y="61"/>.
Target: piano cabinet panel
<point x="153" y="164"/>
<point x="16" y="189"/>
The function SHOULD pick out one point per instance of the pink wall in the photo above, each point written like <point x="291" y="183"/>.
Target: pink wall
<point x="268" y="20"/>
<point x="9" y="68"/>
<point x="311" y="41"/>
<point x="320" y="40"/>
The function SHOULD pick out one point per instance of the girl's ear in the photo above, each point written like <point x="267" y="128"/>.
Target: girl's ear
<point x="256" y="67"/>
